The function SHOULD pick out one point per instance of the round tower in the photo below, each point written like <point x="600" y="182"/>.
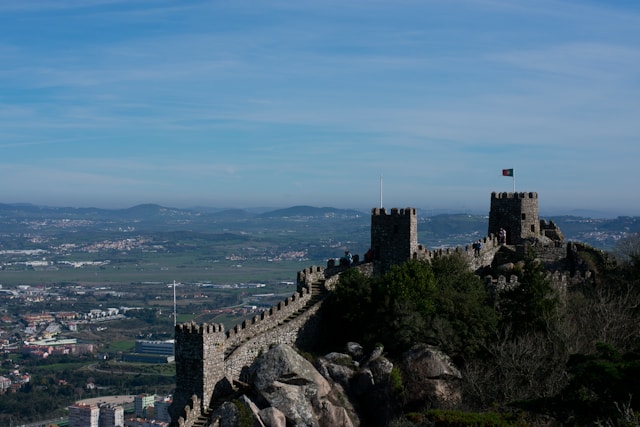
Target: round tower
<point x="517" y="213"/>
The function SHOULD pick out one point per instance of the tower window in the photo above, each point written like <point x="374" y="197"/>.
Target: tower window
<point x="533" y="228"/>
<point x="524" y="216"/>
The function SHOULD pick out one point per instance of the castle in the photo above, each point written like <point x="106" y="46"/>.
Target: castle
<point x="209" y="359"/>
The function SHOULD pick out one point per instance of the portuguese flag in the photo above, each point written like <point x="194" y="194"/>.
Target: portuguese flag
<point x="507" y="172"/>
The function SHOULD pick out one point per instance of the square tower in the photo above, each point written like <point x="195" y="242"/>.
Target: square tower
<point x="517" y="213"/>
<point x="199" y="351"/>
<point x="394" y="236"/>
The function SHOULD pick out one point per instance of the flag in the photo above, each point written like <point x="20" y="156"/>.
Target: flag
<point x="507" y="172"/>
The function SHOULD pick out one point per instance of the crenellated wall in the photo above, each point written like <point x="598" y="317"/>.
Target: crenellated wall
<point x="490" y="246"/>
<point x="267" y="319"/>
<point x="561" y="281"/>
<point x="190" y="413"/>
<point x="207" y="354"/>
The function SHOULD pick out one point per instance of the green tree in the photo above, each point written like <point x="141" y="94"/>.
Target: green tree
<point x="464" y="317"/>
<point x="411" y="283"/>
<point x="405" y="301"/>
<point x="350" y="309"/>
<point x="601" y="383"/>
<point x="528" y="306"/>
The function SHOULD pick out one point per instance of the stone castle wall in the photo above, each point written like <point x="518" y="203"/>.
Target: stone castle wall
<point x="517" y="213"/>
<point x="394" y="235"/>
<point x="561" y="281"/>
<point x="490" y="246"/>
<point x="200" y="349"/>
<point x="267" y="319"/>
<point x="207" y="354"/>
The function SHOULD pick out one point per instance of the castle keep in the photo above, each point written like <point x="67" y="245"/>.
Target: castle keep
<point x="394" y="236"/>
<point x="209" y="359"/>
<point x="517" y="213"/>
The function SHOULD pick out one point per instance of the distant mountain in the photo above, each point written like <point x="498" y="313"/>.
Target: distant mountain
<point x="233" y="214"/>
<point x="312" y="212"/>
<point x="443" y="230"/>
<point x="153" y="211"/>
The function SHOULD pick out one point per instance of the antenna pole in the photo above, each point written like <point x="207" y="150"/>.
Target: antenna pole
<point x="380" y="191"/>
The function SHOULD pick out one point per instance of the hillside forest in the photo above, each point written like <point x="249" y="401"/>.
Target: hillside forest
<point x="529" y="355"/>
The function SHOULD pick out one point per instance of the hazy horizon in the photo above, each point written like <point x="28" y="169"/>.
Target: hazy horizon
<point x="422" y="211"/>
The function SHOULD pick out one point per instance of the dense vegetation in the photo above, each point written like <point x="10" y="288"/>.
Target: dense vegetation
<point x="569" y="355"/>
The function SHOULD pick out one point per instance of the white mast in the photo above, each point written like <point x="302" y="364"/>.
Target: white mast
<point x="380" y="191"/>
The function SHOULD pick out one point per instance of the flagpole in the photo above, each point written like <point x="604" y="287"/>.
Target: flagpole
<point x="380" y="191"/>
<point x="514" y="181"/>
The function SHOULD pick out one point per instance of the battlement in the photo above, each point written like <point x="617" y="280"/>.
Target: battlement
<point x="206" y="354"/>
<point x="190" y="412"/>
<point x="267" y="319"/>
<point x="529" y="195"/>
<point x="561" y="281"/>
<point x="394" y="212"/>
<point x="202" y="329"/>
<point x="310" y="275"/>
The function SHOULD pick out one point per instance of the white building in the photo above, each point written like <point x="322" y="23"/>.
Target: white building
<point x="111" y="416"/>
<point x="83" y="415"/>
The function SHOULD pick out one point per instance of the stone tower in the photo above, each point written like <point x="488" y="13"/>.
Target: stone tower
<point x="199" y="351"/>
<point x="394" y="236"/>
<point x="517" y="213"/>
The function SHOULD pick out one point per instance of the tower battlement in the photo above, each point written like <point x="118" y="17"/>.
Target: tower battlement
<point x="193" y="328"/>
<point x="206" y="354"/>
<point x="529" y="195"/>
<point x="394" y="212"/>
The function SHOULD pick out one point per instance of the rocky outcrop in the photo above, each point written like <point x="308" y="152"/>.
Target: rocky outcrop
<point x="431" y="378"/>
<point x="290" y="383"/>
<point x="339" y="389"/>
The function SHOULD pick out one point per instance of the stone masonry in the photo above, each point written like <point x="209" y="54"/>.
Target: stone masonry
<point x="207" y="354"/>
<point x="517" y="213"/>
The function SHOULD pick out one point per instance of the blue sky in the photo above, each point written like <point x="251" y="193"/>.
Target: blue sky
<point x="112" y="103"/>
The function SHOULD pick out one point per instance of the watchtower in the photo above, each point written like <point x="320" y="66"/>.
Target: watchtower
<point x="199" y="352"/>
<point x="517" y="213"/>
<point x="394" y="236"/>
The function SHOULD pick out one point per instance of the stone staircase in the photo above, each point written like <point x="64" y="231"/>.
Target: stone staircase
<point x="318" y="292"/>
<point x="203" y="419"/>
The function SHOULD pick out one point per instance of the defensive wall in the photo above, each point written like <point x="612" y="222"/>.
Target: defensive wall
<point x="561" y="282"/>
<point x="207" y="355"/>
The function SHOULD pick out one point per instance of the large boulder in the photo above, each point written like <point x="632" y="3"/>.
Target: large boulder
<point x="290" y="383"/>
<point x="271" y="417"/>
<point x="336" y="367"/>
<point x="430" y="378"/>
